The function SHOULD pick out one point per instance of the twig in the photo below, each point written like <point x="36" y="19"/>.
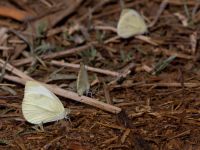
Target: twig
<point x="180" y="2"/>
<point x="143" y="84"/>
<point x="14" y="70"/>
<point x="84" y="99"/>
<point x="21" y="62"/>
<point x="185" y="133"/>
<point x="109" y="28"/>
<point x="112" y="11"/>
<point x="7" y="84"/>
<point x="107" y="93"/>
<point x="139" y="37"/>
<point x="20" y="143"/>
<point x="113" y="126"/>
<point x="54" y="17"/>
<point x="46" y="146"/>
<point x="99" y="5"/>
<point x="125" y="135"/>
<point x="102" y="71"/>
<point x="124" y="73"/>
<point x="59" y="91"/>
<point x="48" y="4"/>
<point x="6" y="48"/>
<point x="147" y="40"/>
<point x="112" y="39"/>
<point x="69" y="51"/>
<point x="162" y="7"/>
<point x="14" y="79"/>
<point x="172" y="52"/>
<point x="57" y="17"/>
<point x="54" y="55"/>
<point x="110" y="140"/>
<point x="193" y="42"/>
<point x="174" y="84"/>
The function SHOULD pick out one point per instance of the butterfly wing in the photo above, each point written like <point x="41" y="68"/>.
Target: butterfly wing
<point x="130" y="23"/>
<point x="40" y="105"/>
<point x="83" y="84"/>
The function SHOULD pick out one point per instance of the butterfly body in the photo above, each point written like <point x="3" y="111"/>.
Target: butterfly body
<point x="130" y="24"/>
<point x="40" y="105"/>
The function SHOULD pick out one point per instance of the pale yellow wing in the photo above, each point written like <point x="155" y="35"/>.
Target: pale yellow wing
<point x="130" y="24"/>
<point x="40" y="105"/>
<point x="83" y="84"/>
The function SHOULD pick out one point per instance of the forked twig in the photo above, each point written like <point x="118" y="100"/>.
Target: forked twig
<point x="102" y="71"/>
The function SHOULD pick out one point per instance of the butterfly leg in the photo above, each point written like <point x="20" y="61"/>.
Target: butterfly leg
<point x="67" y="118"/>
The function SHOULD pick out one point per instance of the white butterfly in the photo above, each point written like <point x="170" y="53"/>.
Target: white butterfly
<point x="83" y="84"/>
<point x="40" y="105"/>
<point x="130" y="24"/>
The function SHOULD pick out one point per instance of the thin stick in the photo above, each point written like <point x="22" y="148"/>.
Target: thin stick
<point x="55" y="55"/>
<point x="59" y="91"/>
<point x="102" y="71"/>
<point x="173" y="52"/>
<point x="180" y="2"/>
<point x="162" y="84"/>
<point x="139" y="37"/>
<point x="96" y="7"/>
<point x="14" y="79"/>
<point x="6" y="48"/>
<point x="112" y="39"/>
<point x="46" y="146"/>
<point x="83" y="99"/>
<point x="69" y="51"/>
<point x="107" y="93"/>
<point x="174" y="84"/>
<point x="161" y="9"/>
<point x="14" y="70"/>
<point x="21" y="62"/>
<point x="147" y="39"/>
